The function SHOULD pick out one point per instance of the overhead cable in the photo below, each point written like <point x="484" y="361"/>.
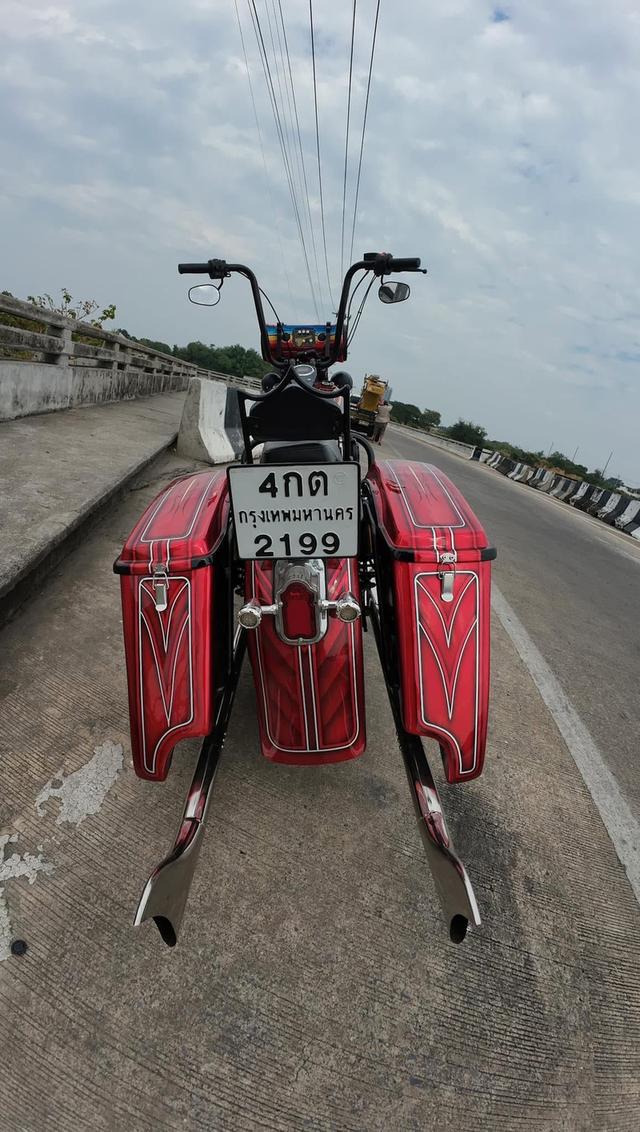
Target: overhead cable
<point x="315" y="102"/>
<point x="364" y="127"/>
<point x="262" y="151"/>
<point x="281" y="138"/>
<point x="301" y="150"/>
<point x="346" y="138"/>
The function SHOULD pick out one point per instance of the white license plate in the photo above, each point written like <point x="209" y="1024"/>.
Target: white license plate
<point x="304" y="511"/>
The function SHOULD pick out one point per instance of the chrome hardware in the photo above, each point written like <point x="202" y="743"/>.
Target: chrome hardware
<point x="311" y="573"/>
<point x="346" y="608"/>
<point x="160" y="590"/>
<point x="447" y="558"/>
<point x="251" y="614"/>
<point x="446" y="583"/>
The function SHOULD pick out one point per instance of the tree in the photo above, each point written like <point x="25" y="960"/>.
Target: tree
<point x="406" y="414"/>
<point x="467" y="432"/>
<point x="223" y="359"/>
<point x="80" y="310"/>
<point x="431" y="418"/>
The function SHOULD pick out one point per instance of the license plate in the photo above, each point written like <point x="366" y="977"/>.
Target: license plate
<point x="300" y="511"/>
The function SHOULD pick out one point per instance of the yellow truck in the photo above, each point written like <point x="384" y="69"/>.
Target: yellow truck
<point x="364" y="405"/>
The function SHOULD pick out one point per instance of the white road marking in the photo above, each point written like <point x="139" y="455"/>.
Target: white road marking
<point x="83" y="792"/>
<point x="620" y="823"/>
<point x="11" y="867"/>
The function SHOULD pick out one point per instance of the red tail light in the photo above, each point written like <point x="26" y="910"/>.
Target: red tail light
<point x="299" y="612"/>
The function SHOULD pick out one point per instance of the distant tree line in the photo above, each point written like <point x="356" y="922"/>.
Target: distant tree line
<point x="470" y="433"/>
<point x="221" y="359"/>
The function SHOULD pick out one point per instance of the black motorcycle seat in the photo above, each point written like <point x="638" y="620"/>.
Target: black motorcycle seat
<point x="301" y="452"/>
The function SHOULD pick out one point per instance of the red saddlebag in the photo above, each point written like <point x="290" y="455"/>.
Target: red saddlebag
<point x="167" y="575"/>
<point x="440" y="562"/>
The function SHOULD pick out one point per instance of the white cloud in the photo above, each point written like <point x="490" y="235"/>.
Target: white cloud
<point x="503" y="152"/>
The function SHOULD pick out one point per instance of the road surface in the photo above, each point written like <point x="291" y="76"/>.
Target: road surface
<point x="314" y="986"/>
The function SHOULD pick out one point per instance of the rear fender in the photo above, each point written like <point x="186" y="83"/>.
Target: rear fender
<point x="310" y="698"/>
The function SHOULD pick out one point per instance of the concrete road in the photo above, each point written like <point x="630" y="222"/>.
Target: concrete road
<point x="313" y="986"/>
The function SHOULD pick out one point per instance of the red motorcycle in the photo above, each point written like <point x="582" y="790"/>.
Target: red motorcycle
<point x="295" y="556"/>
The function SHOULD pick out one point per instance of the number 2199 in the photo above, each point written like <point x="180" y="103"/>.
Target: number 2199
<point x="307" y="545"/>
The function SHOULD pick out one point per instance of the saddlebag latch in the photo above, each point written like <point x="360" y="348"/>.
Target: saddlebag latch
<point x="447" y="577"/>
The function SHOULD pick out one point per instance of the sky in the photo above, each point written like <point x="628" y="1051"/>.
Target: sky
<point x="501" y="147"/>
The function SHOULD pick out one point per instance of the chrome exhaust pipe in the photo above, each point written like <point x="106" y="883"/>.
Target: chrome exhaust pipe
<point x="166" y="892"/>
<point x="449" y="874"/>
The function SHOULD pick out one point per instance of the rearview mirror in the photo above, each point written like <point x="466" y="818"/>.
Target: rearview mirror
<point x="394" y="292"/>
<point x="204" y="295"/>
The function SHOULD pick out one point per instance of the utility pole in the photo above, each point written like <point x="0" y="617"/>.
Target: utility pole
<point x="573" y="458"/>
<point x="607" y="464"/>
<point x="550" y="449"/>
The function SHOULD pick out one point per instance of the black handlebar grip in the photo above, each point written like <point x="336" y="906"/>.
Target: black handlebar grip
<point x="404" y="264"/>
<point x="193" y="269"/>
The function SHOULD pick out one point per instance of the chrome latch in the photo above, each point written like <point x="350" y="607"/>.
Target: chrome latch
<point x="446" y="585"/>
<point x="447" y="577"/>
<point x="160" y="590"/>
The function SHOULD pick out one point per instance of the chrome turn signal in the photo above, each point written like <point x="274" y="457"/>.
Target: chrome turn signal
<point x="250" y="615"/>
<point x="347" y="608"/>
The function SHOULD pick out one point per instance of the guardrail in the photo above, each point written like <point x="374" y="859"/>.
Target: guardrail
<point x="49" y="362"/>
<point x="465" y="450"/>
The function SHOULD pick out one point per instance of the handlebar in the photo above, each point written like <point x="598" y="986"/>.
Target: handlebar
<point x="381" y="263"/>
<point x="193" y="269"/>
<point x="404" y="265"/>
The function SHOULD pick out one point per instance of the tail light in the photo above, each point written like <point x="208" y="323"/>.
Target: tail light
<point x="299" y="612"/>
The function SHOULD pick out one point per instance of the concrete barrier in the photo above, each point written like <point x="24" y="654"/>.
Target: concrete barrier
<point x="580" y="494"/>
<point x="609" y="506"/>
<point x="559" y="487"/>
<point x="629" y="515"/>
<point x="546" y="482"/>
<point x="614" y="513"/>
<point x="632" y="526"/>
<point x="207" y="429"/>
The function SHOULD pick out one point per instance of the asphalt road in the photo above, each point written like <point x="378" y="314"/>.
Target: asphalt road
<point x="575" y="585"/>
<point x="313" y="988"/>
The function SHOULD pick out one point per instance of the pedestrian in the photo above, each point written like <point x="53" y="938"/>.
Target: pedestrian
<point x="383" y="416"/>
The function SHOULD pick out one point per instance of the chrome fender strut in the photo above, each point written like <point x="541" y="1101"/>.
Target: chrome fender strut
<point x="165" y="893"/>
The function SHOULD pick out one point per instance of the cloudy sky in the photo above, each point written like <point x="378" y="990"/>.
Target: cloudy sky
<point x="502" y="147"/>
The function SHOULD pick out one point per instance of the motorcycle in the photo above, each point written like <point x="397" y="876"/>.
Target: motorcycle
<point x="291" y="554"/>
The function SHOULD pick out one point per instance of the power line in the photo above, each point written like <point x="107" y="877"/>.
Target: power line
<point x="346" y="139"/>
<point x="262" y="150"/>
<point x="301" y="150"/>
<point x="315" y="102"/>
<point x="364" y="126"/>
<point x="274" y="106"/>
